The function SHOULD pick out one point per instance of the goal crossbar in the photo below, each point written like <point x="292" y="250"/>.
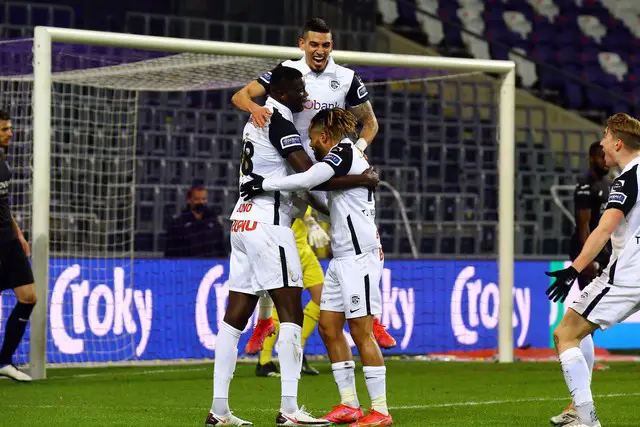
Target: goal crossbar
<point x="44" y="37"/>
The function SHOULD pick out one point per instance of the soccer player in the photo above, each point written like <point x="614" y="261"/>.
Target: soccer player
<point x="351" y="290"/>
<point x="589" y="199"/>
<point x="329" y="85"/>
<point x="15" y="270"/>
<point x="614" y="295"/>
<point x="264" y="258"/>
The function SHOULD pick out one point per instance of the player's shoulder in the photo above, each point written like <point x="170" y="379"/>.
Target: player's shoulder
<point x="343" y="72"/>
<point x="298" y="64"/>
<point x="340" y="156"/>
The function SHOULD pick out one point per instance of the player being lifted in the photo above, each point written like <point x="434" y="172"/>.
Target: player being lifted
<point x="614" y="295"/>
<point x="264" y="258"/>
<point x="15" y="269"/>
<point x="589" y="199"/>
<point x="351" y="289"/>
<point x="329" y="85"/>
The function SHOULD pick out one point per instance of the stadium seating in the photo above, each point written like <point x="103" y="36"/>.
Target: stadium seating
<point x="441" y="161"/>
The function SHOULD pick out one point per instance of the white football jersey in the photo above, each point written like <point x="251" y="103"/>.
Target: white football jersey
<point x="353" y="211"/>
<point x="624" y="265"/>
<point x="336" y="86"/>
<point x="264" y="152"/>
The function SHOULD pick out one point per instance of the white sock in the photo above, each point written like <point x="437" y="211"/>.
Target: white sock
<point x="375" y="377"/>
<point x="290" y="356"/>
<point x="265" y="307"/>
<point x="224" y="366"/>
<point x="588" y="351"/>
<point x="345" y="376"/>
<point x="576" y="375"/>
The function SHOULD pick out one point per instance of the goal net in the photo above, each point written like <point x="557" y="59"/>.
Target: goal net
<point x="132" y="126"/>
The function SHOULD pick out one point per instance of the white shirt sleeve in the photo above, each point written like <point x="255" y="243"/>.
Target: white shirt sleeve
<point x="314" y="176"/>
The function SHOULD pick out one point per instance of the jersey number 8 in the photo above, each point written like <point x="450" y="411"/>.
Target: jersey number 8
<point x="246" y="165"/>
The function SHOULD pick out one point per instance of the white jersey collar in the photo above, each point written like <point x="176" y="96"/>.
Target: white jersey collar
<point x="284" y="110"/>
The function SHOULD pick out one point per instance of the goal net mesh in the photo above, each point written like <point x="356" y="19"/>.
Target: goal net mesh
<point x="131" y="129"/>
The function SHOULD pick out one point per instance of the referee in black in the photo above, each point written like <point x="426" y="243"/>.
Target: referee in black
<point x="589" y="200"/>
<point x="15" y="270"/>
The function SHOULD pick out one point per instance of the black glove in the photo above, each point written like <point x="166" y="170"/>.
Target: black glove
<point x="560" y="288"/>
<point x="253" y="188"/>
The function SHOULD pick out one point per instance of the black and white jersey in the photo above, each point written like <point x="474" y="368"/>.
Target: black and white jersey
<point x="336" y="86"/>
<point x="624" y="266"/>
<point x="353" y="211"/>
<point x="591" y="193"/>
<point x="6" y="223"/>
<point x="264" y="152"/>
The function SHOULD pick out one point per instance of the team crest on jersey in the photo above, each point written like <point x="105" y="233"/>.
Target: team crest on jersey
<point x="290" y="141"/>
<point x="332" y="158"/>
<point x="617" y="197"/>
<point x="618" y="184"/>
<point x="355" y="300"/>
<point x="334" y="84"/>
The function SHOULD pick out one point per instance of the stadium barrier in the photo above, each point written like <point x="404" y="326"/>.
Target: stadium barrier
<point x="172" y="309"/>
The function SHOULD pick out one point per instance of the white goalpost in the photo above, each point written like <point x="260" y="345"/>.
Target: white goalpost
<point x="43" y="102"/>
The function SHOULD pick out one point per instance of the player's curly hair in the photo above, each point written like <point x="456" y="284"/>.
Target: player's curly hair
<point x="626" y="128"/>
<point x="4" y="115"/>
<point x="337" y="122"/>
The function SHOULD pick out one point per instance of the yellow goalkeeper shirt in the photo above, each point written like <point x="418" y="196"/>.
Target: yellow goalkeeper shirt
<point x="300" y="230"/>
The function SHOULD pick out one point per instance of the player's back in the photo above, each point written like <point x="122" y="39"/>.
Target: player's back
<point x="624" y="265"/>
<point x="264" y="152"/>
<point x="353" y="211"/>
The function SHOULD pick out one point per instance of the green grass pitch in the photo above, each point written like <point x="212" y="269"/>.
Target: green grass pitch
<point x="419" y="394"/>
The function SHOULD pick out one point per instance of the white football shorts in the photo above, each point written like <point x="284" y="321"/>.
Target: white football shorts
<point x="352" y="285"/>
<point x="263" y="257"/>
<point x="605" y="304"/>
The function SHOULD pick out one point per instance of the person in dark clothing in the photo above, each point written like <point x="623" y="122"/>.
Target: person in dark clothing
<point x="15" y="269"/>
<point x="589" y="199"/>
<point x="196" y="232"/>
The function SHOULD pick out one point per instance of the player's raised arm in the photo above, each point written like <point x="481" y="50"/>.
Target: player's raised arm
<point x="243" y="99"/>
<point x="360" y="106"/>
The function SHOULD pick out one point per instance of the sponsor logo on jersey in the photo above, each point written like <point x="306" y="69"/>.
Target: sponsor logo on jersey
<point x="334" y="84"/>
<point x="312" y="104"/>
<point x="332" y="158"/>
<point x="617" y="197"/>
<point x="618" y="184"/>
<point x="266" y="77"/>
<point x="290" y="141"/>
<point x="362" y="90"/>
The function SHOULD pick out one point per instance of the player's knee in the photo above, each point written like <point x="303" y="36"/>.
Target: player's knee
<point x="27" y="295"/>
<point x="328" y="332"/>
<point x="361" y="335"/>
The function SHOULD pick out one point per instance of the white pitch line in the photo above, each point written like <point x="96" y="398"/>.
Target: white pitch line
<point x="395" y="408"/>
<point x="507" y="401"/>
<point x="147" y="372"/>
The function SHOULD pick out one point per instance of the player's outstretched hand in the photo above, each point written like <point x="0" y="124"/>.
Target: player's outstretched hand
<point x="252" y="188"/>
<point x="372" y="178"/>
<point x="260" y="116"/>
<point x="560" y="288"/>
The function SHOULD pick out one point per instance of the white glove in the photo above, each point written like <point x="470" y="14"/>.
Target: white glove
<point x="361" y="144"/>
<point x="318" y="238"/>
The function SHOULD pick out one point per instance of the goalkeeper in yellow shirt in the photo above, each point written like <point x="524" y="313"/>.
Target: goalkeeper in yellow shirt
<point x="308" y="233"/>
